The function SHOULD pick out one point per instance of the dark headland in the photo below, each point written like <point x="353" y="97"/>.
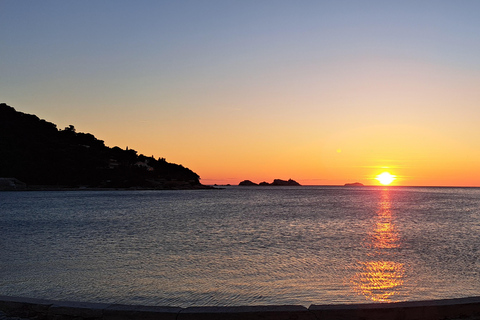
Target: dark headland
<point x="34" y="154"/>
<point x="276" y="182"/>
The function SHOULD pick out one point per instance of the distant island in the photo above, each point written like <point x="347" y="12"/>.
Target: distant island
<point x="276" y="182"/>
<point x="34" y="154"/>
<point x="354" y="184"/>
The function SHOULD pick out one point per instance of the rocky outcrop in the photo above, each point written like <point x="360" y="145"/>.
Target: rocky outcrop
<point x="289" y="182"/>
<point x="247" y="183"/>
<point x="354" y="184"/>
<point x="276" y="182"/>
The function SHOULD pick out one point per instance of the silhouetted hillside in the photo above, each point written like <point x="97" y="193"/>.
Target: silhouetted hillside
<point x="37" y="153"/>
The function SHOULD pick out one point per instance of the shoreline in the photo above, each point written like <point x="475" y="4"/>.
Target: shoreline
<point x="53" y="188"/>
<point x="464" y="308"/>
<point x="211" y="187"/>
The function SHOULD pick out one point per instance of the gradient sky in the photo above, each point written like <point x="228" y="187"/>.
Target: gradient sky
<point x="323" y="92"/>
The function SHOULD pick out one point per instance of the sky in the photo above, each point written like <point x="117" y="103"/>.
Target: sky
<point x="322" y="92"/>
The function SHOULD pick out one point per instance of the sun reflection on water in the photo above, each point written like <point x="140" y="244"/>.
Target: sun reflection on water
<point x="380" y="277"/>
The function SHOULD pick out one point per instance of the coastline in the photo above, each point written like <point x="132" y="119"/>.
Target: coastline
<point x="211" y="187"/>
<point x="28" y="308"/>
<point x="54" y="188"/>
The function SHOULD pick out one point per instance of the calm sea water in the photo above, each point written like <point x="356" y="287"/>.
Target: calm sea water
<point x="241" y="245"/>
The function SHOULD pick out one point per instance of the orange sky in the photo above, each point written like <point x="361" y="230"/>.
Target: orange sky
<point x="323" y="92"/>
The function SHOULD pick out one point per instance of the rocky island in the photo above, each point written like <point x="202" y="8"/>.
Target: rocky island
<point x="34" y="154"/>
<point x="354" y="184"/>
<point x="276" y="182"/>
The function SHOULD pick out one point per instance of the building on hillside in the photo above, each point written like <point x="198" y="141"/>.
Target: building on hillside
<point x="11" y="184"/>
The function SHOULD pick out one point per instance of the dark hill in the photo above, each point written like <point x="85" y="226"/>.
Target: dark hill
<point x="37" y="153"/>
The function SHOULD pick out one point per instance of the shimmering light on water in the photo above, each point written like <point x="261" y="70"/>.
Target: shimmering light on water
<point x="380" y="278"/>
<point x="241" y="246"/>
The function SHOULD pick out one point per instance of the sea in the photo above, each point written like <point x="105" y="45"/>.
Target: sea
<point x="241" y="245"/>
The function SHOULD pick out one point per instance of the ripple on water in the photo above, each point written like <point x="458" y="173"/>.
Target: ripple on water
<point x="242" y="246"/>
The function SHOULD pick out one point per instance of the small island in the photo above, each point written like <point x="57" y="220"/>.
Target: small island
<point x="276" y="182"/>
<point x="354" y="184"/>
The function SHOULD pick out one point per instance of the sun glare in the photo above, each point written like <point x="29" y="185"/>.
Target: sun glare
<point x="385" y="178"/>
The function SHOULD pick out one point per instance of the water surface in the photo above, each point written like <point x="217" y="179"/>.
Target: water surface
<point x="241" y="245"/>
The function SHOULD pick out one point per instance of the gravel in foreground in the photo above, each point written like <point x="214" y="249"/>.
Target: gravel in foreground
<point x="3" y="316"/>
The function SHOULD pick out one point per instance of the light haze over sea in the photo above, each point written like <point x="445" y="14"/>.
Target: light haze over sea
<point x="242" y="245"/>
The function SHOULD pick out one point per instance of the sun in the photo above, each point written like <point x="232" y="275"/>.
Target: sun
<point x="385" y="178"/>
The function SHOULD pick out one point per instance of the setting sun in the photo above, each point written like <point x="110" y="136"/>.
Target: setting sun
<point x="385" y="178"/>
